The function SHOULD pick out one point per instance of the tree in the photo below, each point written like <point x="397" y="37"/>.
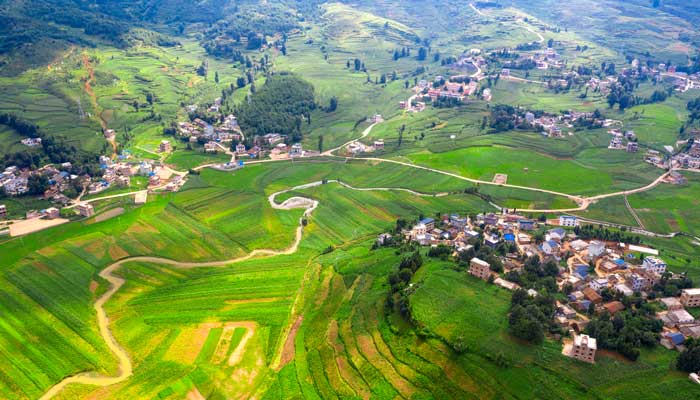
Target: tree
<point x="278" y="106"/>
<point x="422" y="54"/>
<point x="320" y="143"/>
<point x="333" y="104"/>
<point x="37" y="184"/>
<point x="216" y="76"/>
<point x="202" y="69"/>
<point x="689" y="359"/>
<point x="401" y="130"/>
<point x="240" y="82"/>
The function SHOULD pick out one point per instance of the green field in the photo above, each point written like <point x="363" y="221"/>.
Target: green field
<point x="163" y="315"/>
<point x="670" y="208"/>
<point x="592" y="171"/>
<point x="306" y="317"/>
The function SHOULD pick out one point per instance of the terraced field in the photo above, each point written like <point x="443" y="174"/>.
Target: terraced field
<point x="308" y="324"/>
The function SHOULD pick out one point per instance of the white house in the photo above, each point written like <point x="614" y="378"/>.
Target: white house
<point x="654" y="264"/>
<point x="596" y="248"/>
<point x="624" y="289"/>
<point x="599" y="284"/>
<point x="568" y="220"/>
<point x="550" y="247"/>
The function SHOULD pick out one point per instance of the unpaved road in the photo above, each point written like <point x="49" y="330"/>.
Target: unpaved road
<point x="125" y="369"/>
<point x="125" y="364"/>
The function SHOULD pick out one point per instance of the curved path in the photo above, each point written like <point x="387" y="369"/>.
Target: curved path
<point x="125" y="364"/>
<point x="125" y="369"/>
<point x="364" y="134"/>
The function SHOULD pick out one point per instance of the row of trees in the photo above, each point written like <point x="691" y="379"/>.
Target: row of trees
<point x="399" y="280"/>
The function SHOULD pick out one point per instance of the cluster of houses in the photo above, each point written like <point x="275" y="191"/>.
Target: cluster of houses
<point x="201" y="131"/>
<point x="31" y="142"/>
<point x="623" y="140"/>
<point x="602" y="85"/>
<point x="547" y="59"/>
<point x="14" y="181"/>
<point x="655" y="158"/>
<point x="689" y="159"/>
<point x="457" y="87"/>
<point x="558" y="125"/>
<point x="592" y="267"/>
<point x="542" y="59"/>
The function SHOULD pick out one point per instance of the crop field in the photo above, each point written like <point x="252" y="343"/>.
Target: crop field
<point x="9" y="140"/>
<point x="625" y="26"/>
<point x="670" y="208"/>
<point x="185" y="160"/>
<point x="183" y="328"/>
<point x="57" y="98"/>
<point x="587" y="174"/>
<point x="225" y="296"/>
<point x="657" y="125"/>
<point x="612" y="209"/>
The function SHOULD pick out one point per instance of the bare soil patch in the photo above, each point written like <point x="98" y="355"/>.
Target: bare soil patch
<point x="26" y="226"/>
<point x="288" y="349"/>
<point x="109" y="214"/>
<point x="500" y="179"/>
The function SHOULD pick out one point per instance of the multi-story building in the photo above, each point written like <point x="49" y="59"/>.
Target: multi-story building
<point x="654" y="264"/>
<point x="596" y="248"/>
<point x="479" y="268"/>
<point x="165" y="146"/>
<point x="568" y="220"/>
<point x="584" y="348"/>
<point x="85" y="209"/>
<point x="691" y="297"/>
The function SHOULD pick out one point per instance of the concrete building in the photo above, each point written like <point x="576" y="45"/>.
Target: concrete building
<point x="3" y="211"/>
<point x="680" y="317"/>
<point x="165" y="146"/>
<point x="296" y="150"/>
<point x="596" y="248"/>
<point x="145" y="169"/>
<point x="85" y="209"/>
<point x="584" y="348"/>
<point x="211" y="147"/>
<point x="52" y="213"/>
<point x="691" y="297"/>
<point x="568" y="220"/>
<point x="672" y="303"/>
<point x="479" y="268"/>
<point x="550" y="247"/>
<point x="429" y="223"/>
<point x="654" y="264"/>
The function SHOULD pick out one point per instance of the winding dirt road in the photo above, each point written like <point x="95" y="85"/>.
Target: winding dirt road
<point x="125" y="369"/>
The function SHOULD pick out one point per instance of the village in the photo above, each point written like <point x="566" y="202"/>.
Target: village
<point x="593" y="276"/>
<point x="68" y="191"/>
